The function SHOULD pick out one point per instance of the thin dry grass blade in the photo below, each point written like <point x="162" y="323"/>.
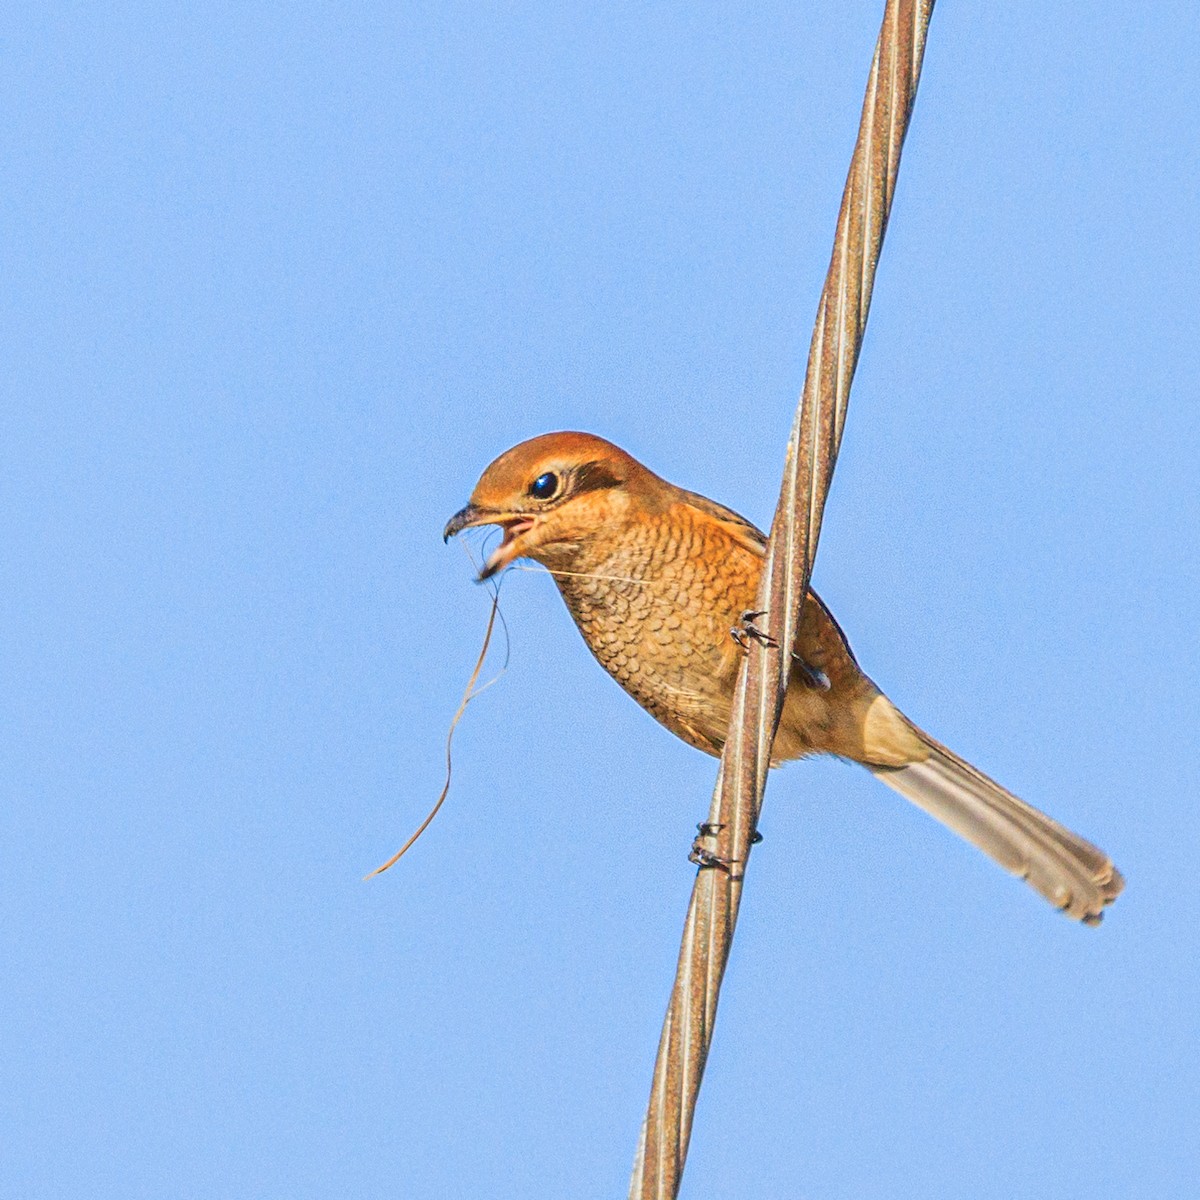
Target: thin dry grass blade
<point x="469" y="694"/>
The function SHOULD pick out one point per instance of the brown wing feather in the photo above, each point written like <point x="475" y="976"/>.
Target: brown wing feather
<point x="744" y="532"/>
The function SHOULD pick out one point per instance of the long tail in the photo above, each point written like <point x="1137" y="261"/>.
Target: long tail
<point x="1071" y="873"/>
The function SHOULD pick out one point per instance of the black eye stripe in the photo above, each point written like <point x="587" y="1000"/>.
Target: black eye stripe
<point x="594" y="477"/>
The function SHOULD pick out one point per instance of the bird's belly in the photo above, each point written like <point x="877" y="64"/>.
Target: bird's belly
<point x="679" y="670"/>
<point x="693" y="701"/>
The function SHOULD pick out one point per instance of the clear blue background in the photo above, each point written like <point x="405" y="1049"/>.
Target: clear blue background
<point x="278" y="282"/>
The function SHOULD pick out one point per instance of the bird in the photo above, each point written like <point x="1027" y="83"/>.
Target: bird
<point x="661" y="582"/>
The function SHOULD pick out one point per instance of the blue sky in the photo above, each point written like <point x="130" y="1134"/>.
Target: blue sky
<point x="279" y="282"/>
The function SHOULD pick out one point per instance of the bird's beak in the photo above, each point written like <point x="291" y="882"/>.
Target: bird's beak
<point x="513" y="524"/>
<point x="465" y="518"/>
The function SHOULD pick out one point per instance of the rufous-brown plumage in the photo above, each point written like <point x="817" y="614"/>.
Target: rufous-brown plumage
<point x="660" y="582"/>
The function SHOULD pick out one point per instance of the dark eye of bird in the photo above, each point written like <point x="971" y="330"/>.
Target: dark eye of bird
<point x="544" y="486"/>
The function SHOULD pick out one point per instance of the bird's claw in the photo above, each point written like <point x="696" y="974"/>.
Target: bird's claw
<point x="745" y="631"/>
<point x="813" y="676"/>
<point x="703" y="857"/>
<point x="711" y="829"/>
<point x="706" y="858"/>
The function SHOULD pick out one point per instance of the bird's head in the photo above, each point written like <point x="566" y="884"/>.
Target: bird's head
<point x="550" y="495"/>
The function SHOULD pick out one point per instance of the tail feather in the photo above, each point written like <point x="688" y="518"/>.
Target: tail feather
<point x="1070" y="872"/>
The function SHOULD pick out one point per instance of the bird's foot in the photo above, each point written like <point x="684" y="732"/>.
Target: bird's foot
<point x="745" y="631"/>
<point x="706" y="858"/>
<point x="703" y="857"/>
